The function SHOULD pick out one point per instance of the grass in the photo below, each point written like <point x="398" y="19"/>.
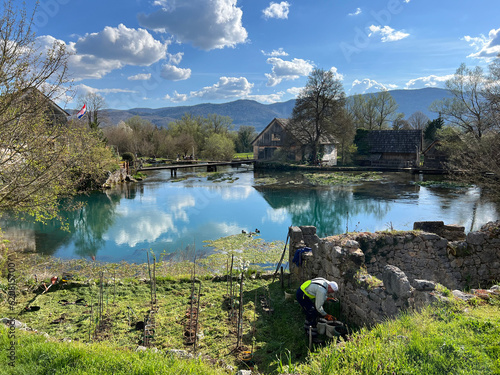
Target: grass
<point x="340" y="178"/>
<point x="458" y="338"/>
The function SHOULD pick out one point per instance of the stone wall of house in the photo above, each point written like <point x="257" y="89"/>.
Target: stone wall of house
<point x="380" y="274"/>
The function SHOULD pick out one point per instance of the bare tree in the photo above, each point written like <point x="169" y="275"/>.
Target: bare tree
<point x="468" y="108"/>
<point x="315" y="113"/>
<point x="418" y="120"/>
<point x="40" y="155"/>
<point x="95" y="104"/>
<point x="373" y="111"/>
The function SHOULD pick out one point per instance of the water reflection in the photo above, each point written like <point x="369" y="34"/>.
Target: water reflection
<point x="174" y="218"/>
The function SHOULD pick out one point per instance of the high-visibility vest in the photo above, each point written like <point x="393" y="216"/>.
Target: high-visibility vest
<point x="305" y="285"/>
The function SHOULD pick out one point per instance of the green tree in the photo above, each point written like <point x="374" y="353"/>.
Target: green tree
<point x="219" y="147"/>
<point x="244" y="137"/>
<point x="430" y="131"/>
<point x="41" y="157"/>
<point x="317" y="108"/>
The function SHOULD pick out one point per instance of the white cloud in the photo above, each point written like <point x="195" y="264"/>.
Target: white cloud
<point x="82" y="90"/>
<point x="226" y="88"/>
<point x="173" y="73"/>
<point x="486" y="47"/>
<point x="129" y="46"/>
<point x="356" y="13"/>
<point x="81" y="66"/>
<point x="204" y="24"/>
<point x="140" y="77"/>
<point x="388" y="34"/>
<point x="275" y="53"/>
<point x="269" y="98"/>
<point x="429" y="81"/>
<point x="368" y="86"/>
<point x="275" y="10"/>
<point x="295" y="90"/>
<point x="176" y="58"/>
<point x="336" y="74"/>
<point x="176" y="98"/>
<point x="287" y="70"/>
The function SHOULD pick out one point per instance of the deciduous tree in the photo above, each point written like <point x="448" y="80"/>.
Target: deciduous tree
<point x="317" y="108"/>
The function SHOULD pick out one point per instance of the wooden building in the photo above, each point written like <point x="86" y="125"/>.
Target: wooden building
<point x="392" y="148"/>
<point x="275" y="137"/>
<point x="434" y="158"/>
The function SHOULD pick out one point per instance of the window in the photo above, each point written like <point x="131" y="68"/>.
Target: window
<point x="275" y="137"/>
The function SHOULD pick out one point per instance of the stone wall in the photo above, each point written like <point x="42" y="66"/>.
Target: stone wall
<point x="380" y="274"/>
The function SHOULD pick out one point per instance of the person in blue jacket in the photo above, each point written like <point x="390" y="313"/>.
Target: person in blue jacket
<point x="311" y="296"/>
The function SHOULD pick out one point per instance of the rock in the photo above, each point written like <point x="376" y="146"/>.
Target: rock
<point x="141" y="348"/>
<point x="424" y="285"/>
<point x="461" y="295"/>
<point x="12" y="322"/>
<point x="244" y="372"/>
<point x="179" y="353"/>
<point x="396" y="282"/>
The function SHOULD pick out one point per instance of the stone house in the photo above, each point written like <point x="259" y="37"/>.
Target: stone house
<point x="275" y="137"/>
<point x="390" y="148"/>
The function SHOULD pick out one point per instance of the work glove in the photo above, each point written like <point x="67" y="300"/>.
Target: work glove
<point x="331" y="299"/>
<point x="329" y="317"/>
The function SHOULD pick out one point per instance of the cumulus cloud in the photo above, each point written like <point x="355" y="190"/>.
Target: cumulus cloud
<point x="369" y="86"/>
<point x="275" y="53"/>
<point x="140" y="77"/>
<point x="287" y="70"/>
<point x="204" y="24"/>
<point x="429" y="81"/>
<point x="173" y="73"/>
<point x="295" y="90"/>
<point x="226" y="88"/>
<point x="336" y="74"/>
<point x="275" y="10"/>
<point x="176" y="98"/>
<point x="81" y="66"/>
<point x="130" y="46"/>
<point x="355" y="13"/>
<point x="486" y="47"/>
<point x="388" y="34"/>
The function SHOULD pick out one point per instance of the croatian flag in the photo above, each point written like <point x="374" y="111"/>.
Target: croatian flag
<point x="82" y="111"/>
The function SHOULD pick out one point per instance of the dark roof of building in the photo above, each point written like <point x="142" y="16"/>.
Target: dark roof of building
<point x="394" y="141"/>
<point x="325" y="139"/>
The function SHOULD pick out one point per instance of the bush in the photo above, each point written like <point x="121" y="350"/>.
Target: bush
<point x="128" y="156"/>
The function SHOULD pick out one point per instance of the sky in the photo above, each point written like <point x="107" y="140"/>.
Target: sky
<point x="163" y="53"/>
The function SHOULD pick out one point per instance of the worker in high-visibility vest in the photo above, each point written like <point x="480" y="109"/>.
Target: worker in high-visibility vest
<point x="312" y="294"/>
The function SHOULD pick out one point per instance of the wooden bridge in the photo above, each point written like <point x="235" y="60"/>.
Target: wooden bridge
<point x="210" y="166"/>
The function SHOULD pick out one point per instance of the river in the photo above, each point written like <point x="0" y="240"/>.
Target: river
<point x="176" y="216"/>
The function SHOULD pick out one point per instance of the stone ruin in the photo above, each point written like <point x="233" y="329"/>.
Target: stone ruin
<point x="381" y="274"/>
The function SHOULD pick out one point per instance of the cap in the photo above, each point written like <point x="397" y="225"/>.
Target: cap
<point x="333" y="285"/>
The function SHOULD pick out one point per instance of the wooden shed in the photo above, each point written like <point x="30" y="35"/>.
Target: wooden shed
<point x="394" y="148"/>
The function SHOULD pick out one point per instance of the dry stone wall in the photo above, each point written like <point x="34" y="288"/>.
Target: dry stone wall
<point x="380" y="274"/>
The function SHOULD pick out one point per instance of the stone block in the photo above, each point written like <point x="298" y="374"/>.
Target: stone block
<point x="308" y="230"/>
<point x="476" y="238"/>
<point x="424" y="285"/>
<point x="396" y="282"/>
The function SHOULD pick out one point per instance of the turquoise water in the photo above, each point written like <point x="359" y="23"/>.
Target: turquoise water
<point x="176" y="217"/>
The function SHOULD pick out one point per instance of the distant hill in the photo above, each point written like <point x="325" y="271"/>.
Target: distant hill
<point x="250" y="112"/>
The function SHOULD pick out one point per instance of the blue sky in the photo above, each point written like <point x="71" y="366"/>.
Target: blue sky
<point x="159" y="53"/>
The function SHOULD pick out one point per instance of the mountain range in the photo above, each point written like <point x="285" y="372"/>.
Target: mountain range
<point x="258" y="115"/>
